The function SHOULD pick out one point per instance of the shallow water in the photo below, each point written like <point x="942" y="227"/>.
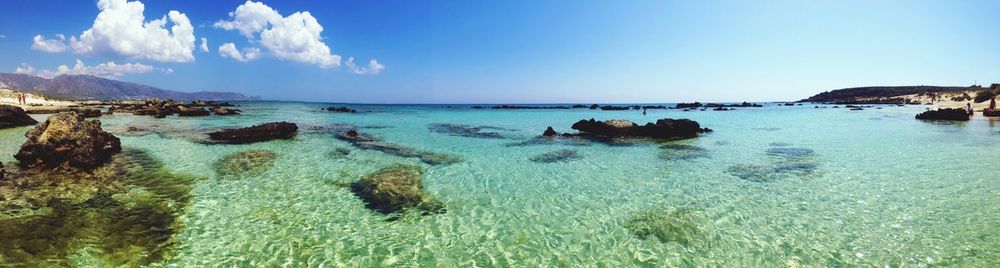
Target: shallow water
<point x="841" y="188"/>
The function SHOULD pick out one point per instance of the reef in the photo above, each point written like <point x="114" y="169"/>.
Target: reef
<point x="366" y="141"/>
<point x="245" y="164"/>
<point x="340" y="110"/>
<point x="13" y="116"/>
<point x="257" y="133"/>
<point x="394" y="189"/>
<point x="461" y="130"/>
<point x="785" y="162"/>
<point x="561" y="155"/>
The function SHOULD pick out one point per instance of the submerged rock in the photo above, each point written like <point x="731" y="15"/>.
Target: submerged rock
<point x="461" y="130"/>
<point x="772" y="172"/>
<point x="245" y="164"/>
<point x="667" y="225"/>
<point x="85" y="112"/>
<point x="340" y="152"/>
<point x="13" y="116"/>
<point x="67" y="139"/>
<point x="955" y="114"/>
<point x="122" y="214"/>
<point x="562" y="155"/>
<point x="791" y="152"/>
<point x="394" y="189"/>
<point x="258" y="133"/>
<point x="674" y="151"/>
<point x="662" y="129"/>
<point x="366" y="141"/>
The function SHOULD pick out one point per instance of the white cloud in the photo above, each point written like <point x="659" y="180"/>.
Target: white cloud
<point x="120" y="29"/>
<point x="109" y="69"/>
<point x="204" y="44"/>
<point x="50" y="45"/>
<point x="295" y="37"/>
<point x="228" y="50"/>
<point x="373" y="67"/>
<point x="3" y="36"/>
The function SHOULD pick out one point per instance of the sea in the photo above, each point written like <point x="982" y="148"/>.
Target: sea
<point x="775" y="186"/>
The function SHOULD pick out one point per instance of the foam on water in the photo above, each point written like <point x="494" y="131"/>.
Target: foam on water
<point x="894" y="191"/>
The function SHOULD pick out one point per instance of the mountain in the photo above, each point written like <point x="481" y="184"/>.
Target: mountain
<point x="87" y="87"/>
<point x="857" y="94"/>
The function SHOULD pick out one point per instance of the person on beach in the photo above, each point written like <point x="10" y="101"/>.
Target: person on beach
<point x="993" y="104"/>
<point x="20" y="98"/>
<point x="968" y="108"/>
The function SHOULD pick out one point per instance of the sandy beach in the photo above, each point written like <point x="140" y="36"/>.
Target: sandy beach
<point x="9" y="97"/>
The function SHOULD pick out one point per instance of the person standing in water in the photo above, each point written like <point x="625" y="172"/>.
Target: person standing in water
<point x="993" y="103"/>
<point x="968" y="108"/>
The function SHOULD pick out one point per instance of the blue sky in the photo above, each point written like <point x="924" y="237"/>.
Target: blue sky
<point x="525" y="51"/>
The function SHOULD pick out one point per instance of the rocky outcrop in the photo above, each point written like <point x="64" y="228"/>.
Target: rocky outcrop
<point x="955" y="114"/>
<point x="191" y="111"/>
<point x="13" y="116"/>
<point x="341" y="110"/>
<point x="662" y="129"/>
<point x="258" y="133"/>
<point x="394" y="189"/>
<point x="67" y="139"/>
<point x="217" y="110"/>
<point x="549" y="132"/>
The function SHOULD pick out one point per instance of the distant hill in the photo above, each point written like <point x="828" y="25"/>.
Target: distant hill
<point x="87" y="87"/>
<point x="856" y="94"/>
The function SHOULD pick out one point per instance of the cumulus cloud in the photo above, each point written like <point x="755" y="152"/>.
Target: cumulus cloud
<point x="204" y="44"/>
<point x="121" y="29"/>
<point x="228" y="50"/>
<point x="109" y="70"/>
<point x="50" y="45"/>
<point x="373" y="67"/>
<point x="295" y="37"/>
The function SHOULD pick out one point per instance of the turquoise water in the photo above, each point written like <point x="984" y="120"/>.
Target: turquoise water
<point x="773" y="186"/>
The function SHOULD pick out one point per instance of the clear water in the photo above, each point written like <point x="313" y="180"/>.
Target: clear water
<point x="879" y="189"/>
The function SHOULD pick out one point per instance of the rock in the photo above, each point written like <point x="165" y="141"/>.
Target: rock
<point x="245" y="164"/>
<point x="549" y="132"/>
<point x="258" y="133"/>
<point x="187" y="111"/>
<point x="86" y="112"/>
<point x="394" y="189"/>
<point x="2" y="171"/>
<point x="991" y="113"/>
<point x="13" y="116"/>
<point x="955" y="114"/>
<point x="217" y="110"/>
<point x="341" y="110"/>
<point x="461" y="130"/>
<point x="667" y="225"/>
<point x="662" y="129"/>
<point x="67" y="139"/>
<point x="369" y="142"/>
<point x="562" y="155"/>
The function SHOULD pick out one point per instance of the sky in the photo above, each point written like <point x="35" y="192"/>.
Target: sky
<point x="404" y="51"/>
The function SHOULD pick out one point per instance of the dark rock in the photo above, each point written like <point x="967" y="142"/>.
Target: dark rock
<point x="662" y="129"/>
<point x="687" y="105"/>
<point x="461" y="130"/>
<point x="258" y="133"/>
<point x="991" y="113"/>
<point x="549" y="132"/>
<point x="13" y="116"/>
<point x="669" y="225"/>
<point x="562" y="155"/>
<point x="955" y="114"/>
<point x="67" y="139"/>
<point x="772" y="172"/>
<point x="341" y="110"/>
<point x="673" y="151"/>
<point x="394" y="189"/>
